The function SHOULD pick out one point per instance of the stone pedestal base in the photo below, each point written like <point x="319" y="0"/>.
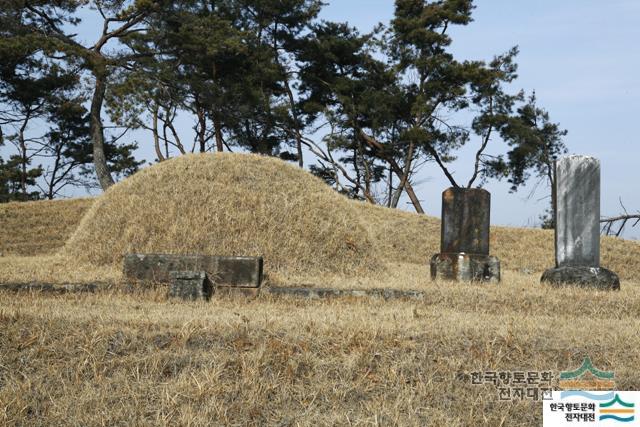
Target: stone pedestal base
<point x="465" y="267"/>
<point x="587" y="277"/>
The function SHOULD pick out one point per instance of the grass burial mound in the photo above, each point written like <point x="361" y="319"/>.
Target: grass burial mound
<point x="227" y="204"/>
<point x="237" y="204"/>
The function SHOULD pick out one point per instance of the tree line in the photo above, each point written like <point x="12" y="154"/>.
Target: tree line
<point x="363" y="111"/>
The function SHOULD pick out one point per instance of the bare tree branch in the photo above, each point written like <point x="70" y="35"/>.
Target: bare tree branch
<point x="623" y="220"/>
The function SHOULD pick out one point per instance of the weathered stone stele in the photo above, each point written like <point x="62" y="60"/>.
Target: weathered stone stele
<point x="577" y="231"/>
<point x="224" y="271"/>
<point x="465" y="221"/>
<point x="578" y="212"/>
<point x="464" y="239"/>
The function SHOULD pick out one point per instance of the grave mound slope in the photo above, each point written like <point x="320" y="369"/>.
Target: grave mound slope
<point x="227" y="204"/>
<point x="39" y="227"/>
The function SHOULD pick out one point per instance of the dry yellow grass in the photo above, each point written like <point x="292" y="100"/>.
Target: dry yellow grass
<point x="116" y="359"/>
<point x="121" y="359"/>
<point x="35" y="228"/>
<point x="54" y="269"/>
<point x="250" y="205"/>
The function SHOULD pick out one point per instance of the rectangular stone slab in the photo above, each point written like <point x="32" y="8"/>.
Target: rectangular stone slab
<point x="224" y="271"/>
<point x="577" y="211"/>
<point x="190" y="285"/>
<point x="317" y="293"/>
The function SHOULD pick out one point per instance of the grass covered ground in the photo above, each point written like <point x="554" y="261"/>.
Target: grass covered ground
<point x="36" y="228"/>
<point x="120" y="358"/>
<point x="137" y="359"/>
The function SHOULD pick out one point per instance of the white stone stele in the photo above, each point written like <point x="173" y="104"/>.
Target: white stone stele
<point x="577" y="233"/>
<point x="577" y="211"/>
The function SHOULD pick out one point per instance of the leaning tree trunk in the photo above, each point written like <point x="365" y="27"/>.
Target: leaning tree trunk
<point x="373" y="143"/>
<point x="217" y="128"/>
<point x="97" y="135"/>
<point x="156" y="135"/>
<point x="24" y="159"/>
<point x="292" y="105"/>
<point x="405" y="176"/>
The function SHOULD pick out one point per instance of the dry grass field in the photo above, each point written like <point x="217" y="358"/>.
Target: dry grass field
<point x="117" y="359"/>
<point x="136" y="358"/>
<point x="36" y="228"/>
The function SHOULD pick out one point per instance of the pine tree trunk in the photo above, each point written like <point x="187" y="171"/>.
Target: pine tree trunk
<point x="218" y="132"/>
<point x="97" y="134"/>
<point x="292" y="105"/>
<point x="156" y="136"/>
<point x="54" y="172"/>
<point x="414" y="199"/>
<point x="396" y="169"/>
<point x="405" y="176"/>
<point x="23" y="154"/>
<point x="390" y="187"/>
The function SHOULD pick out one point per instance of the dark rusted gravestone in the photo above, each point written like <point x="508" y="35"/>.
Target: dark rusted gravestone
<point x="190" y="285"/>
<point x="243" y="272"/>
<point x="464" y="239"/>
<point x="577" y="232"/>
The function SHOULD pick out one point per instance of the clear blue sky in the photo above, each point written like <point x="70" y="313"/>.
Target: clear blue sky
<point x="582" y="59"/>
